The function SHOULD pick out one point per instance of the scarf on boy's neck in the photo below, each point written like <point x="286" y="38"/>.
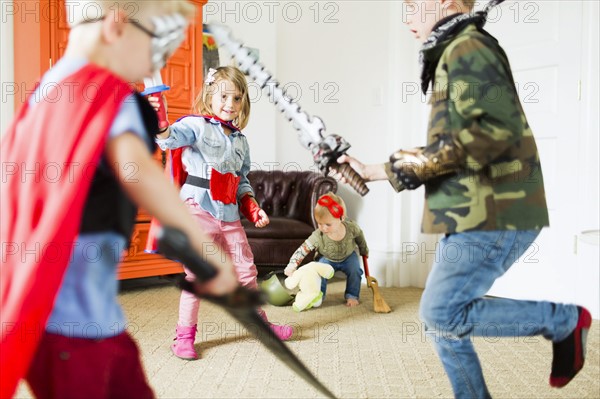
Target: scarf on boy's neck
<point x="446" y="29"/>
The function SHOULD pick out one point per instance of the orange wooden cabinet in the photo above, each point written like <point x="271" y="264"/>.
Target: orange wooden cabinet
<point x="41" y="35"/>
<point x="137" y="263"/>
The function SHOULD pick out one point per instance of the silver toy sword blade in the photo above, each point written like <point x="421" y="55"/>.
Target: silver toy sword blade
<point x="310" y="128"/>
<point x="325" y="149"/>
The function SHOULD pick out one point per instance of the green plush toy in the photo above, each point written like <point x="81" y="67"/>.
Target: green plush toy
<point x="308" y="279"/>
<point x="276" y="293"/>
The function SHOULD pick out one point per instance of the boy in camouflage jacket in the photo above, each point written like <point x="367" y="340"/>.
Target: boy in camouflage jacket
<point x="484" y="190"/>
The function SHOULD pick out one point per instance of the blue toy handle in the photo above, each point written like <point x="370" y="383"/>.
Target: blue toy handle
<point x="155" y="89"/>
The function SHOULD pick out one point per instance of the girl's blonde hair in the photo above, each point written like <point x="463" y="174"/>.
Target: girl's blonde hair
<point x="85" y="10"/>
<point x="203" y="102"/>
<point x="322" y="210"/>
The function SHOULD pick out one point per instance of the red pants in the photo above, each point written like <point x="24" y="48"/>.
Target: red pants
<point x="65" y="368"/>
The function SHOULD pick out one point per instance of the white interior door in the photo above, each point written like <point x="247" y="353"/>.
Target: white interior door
<point x="543" y="42"/>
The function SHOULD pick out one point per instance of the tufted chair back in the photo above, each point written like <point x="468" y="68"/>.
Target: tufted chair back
<point x="289" y="199"/>
<point x="290" y="195"/>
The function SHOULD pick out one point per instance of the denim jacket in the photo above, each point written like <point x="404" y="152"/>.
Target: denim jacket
<point x="207" y="147"/>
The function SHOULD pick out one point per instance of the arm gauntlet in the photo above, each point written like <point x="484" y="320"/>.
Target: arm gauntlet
<point x="414" y="167"/>
<point x="250" y="207"/>
<point x="299" y="255"/>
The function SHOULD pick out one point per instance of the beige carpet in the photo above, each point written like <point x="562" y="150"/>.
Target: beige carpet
<point x="354" y="351"/>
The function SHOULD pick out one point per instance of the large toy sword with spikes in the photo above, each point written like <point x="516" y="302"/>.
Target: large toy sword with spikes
<point x="325" y="149"/>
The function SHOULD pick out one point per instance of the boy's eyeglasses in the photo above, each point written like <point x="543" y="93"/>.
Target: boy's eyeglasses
<point x="144" y="29"/>
<point x="336" y="210"/>
<point x="131" y="21"/>
<point x="168" y="34"/>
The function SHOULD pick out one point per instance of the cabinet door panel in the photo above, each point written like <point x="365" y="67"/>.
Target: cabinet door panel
<point x="138" y="263"/>
<point x="183" y="73"/>
<point x="59" y="30"/>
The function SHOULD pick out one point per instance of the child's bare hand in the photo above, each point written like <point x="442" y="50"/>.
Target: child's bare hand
<point x="367" y="172"/>
<point x="290" y="269"/>
<point x="263" y="219"/>
<point x="155" y="102"/>
<point x="354" y="163"/>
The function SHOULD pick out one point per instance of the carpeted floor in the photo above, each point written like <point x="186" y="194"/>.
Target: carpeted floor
<point x="357" y="353"/>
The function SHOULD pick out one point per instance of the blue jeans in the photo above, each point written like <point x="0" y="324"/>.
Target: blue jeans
<point x="453" y="308"/>
<point x="351" y="268"/>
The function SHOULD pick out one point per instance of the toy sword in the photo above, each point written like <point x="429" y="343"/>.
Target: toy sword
<point x="325" y="149"/>
<point x="241" y="304"/>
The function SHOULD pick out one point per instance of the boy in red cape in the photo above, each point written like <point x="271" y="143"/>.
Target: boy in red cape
<point x="75" y="164"/>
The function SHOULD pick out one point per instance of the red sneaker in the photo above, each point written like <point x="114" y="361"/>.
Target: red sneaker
<point x="568" y="355"/>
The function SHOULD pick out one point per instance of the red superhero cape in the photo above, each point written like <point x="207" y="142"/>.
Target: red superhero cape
<point x="49" y="156"/>
<point x="176" y="174"/>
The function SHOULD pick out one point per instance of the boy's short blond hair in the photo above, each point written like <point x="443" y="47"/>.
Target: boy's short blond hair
<point x="203" y="103"/>
<point x="322" y="211"/>
<point x="86" y="10"/>
<point x="469" y="4"/>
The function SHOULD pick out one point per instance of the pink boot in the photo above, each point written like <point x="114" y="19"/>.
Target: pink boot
<point x="282" y="332"/>
<point x="184" y="342"/>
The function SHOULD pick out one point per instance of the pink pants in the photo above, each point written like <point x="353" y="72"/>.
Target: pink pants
<point x="231" y="237"/>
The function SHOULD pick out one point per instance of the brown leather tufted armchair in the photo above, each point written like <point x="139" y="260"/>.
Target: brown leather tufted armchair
<point x="289" y="199"/>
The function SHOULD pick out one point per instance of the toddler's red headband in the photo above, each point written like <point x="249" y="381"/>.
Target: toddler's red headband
<point x="336" y="210"/>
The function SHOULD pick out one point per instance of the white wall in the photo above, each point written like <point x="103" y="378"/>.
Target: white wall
<point x="6" y="68"/>
<point x="589" y="213"/>
<point x="354" y="64"/>
<point x="350" y="72"/>
<point x="587" y="269"/>
<point x="254" y="24"/>
<point x="360" y="55"/>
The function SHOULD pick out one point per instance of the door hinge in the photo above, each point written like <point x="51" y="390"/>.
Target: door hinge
<point x="579" y="90"/>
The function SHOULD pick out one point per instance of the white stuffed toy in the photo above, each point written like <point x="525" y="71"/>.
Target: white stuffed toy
<point x="308" y="279"/>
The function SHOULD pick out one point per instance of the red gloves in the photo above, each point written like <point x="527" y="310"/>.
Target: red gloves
<point x="250" y="208"/>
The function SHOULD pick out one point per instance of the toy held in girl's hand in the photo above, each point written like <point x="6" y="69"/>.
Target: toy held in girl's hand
<point x="308" y="279"/>
<point x="153" y="88"/>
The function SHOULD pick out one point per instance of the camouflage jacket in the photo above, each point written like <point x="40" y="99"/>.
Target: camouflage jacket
<point x="474" y="98"/>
